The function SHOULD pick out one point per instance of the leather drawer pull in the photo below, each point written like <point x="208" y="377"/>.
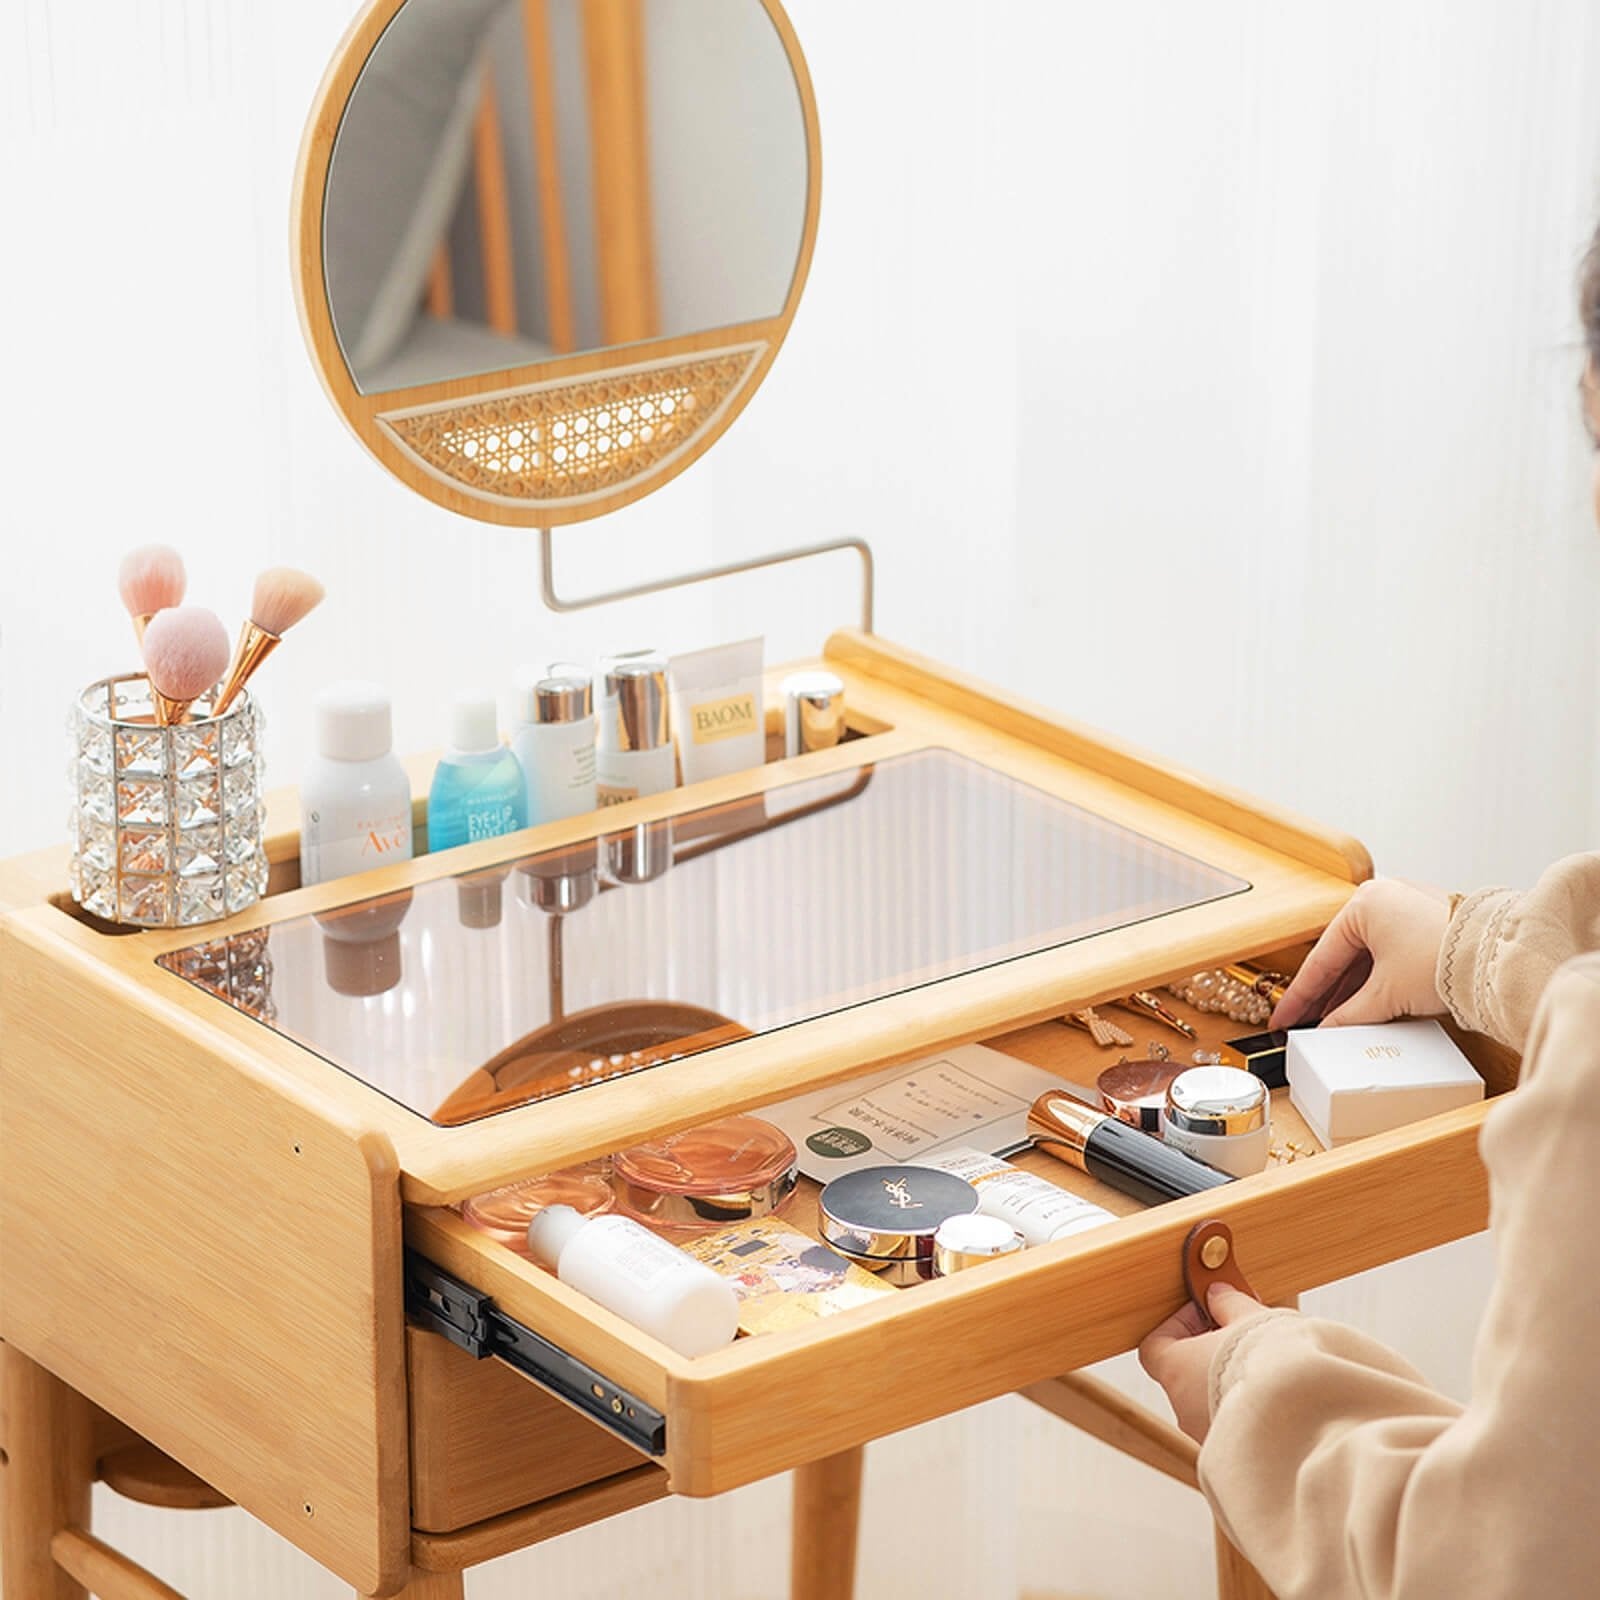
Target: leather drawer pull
<point x="1209" y="1257"/>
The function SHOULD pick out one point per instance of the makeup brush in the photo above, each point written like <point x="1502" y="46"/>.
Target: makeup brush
<point x="282" y="597"/>
<point x="185" y="652"/>
<point x="149" y="580"/>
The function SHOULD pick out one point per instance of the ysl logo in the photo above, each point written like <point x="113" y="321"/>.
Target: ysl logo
<point x="899" y="1195"/>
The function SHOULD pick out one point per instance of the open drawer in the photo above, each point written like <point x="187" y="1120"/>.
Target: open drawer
<point x="778" y="1400"/>
<point x="209" y="1174"/>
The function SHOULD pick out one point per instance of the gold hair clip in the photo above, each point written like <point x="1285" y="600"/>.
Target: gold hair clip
<point x="1142" y="1003"/>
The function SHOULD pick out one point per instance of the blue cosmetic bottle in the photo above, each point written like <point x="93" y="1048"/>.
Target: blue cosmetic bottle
<point x="478" y="789"/>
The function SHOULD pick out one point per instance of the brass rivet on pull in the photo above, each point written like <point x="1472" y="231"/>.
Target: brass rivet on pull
<point x="1214" y="1251"/>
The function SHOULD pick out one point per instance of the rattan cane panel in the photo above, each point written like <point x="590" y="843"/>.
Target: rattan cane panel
<point x="571" y="441"/>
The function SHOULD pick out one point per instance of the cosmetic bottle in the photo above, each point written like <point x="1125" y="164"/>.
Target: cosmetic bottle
<point x="1039" y="1210"/>
<point x="1120" y="1156"/>
<point x="355" y="798"/>
<point x="963" y="1242"/>
<point x="1219" y="1115"/>
<point x="478" y="790"/>
<point x="813" y="711"/>
<point x="554" y="741"/>
<point x="636" y="756"/>
<point x="645" y="1280"/>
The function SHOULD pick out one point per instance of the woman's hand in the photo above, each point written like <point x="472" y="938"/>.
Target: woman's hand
<point x="1178" y="1354"/>
<point x="1377" y="957"/>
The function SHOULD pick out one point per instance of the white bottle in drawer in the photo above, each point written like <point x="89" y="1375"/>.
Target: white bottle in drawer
<point x="645" y="1280"/>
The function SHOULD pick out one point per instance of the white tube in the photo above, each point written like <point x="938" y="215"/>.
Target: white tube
<point x="717" y="710"/>
<point x="1039" y="1210"/>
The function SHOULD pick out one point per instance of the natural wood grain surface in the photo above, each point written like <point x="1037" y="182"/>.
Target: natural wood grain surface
<point x="431" y="1586"/>
<point x="1204" y="797"/>
<point x="208" y="1254"/>
<point x="361" y="412"/>
<point x="139" y="1471"/>
<point x="499" y="1536"/>
<point x="485" y="1441"/>
<point x="823" y="1527"/>
<point x="47" y="1477"/>
<point x="105" y="1572"/>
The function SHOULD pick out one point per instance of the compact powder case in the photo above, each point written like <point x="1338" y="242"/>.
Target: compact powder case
<point x="1136" y="1091"/>
<point x="706" y="1177"/>
<point x="884" y="1218"/>
<point x="505" y="1213"/>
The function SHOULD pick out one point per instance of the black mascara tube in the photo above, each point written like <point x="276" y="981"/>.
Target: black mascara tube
<point x="1134" y="1162"/>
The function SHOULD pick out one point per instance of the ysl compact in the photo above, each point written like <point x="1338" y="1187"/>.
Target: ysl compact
<point x="884" y="1218"/>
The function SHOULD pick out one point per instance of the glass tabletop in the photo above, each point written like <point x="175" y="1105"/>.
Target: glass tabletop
<point x="551" y="972"/>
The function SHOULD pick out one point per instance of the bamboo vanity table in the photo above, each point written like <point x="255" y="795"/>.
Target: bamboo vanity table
<point x="230" y="1155"/>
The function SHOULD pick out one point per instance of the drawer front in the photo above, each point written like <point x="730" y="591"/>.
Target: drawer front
<point x="774" y="1401"/>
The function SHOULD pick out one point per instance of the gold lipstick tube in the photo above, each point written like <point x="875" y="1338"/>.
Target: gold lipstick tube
<point x="1264" y="984"/>
<point x="1122" y="1157"/>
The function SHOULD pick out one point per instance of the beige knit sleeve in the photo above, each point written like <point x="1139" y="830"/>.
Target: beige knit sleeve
<point x="1342" y="1476"/>
<point x="1501" y="947"/>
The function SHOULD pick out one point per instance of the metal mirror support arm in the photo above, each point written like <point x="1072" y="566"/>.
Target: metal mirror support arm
<point x="704" y="575"/>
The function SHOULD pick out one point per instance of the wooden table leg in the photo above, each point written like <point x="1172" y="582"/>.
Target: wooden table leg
<point x="827" y="1509"/>
<point x="1236" y="1578"/>
<point x="49" y="1471"/>
<point x="432" y="1586"/>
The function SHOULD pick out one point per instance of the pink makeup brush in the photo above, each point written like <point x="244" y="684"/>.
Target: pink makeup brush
<point x="150" y="579"/>
<point x="282" y="597"/>
<point x="185" y="652"/>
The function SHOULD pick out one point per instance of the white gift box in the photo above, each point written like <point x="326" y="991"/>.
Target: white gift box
<point x="1349" y="1082"/>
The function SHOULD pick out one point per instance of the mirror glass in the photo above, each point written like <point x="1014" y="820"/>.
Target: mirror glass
<point x="517" y="180"/>
<point x="554" y="972"/>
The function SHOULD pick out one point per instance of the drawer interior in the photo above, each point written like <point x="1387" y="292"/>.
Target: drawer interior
<point x="940" y="1325"/>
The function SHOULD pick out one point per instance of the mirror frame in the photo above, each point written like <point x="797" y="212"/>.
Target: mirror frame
<point x="416" y="432"/>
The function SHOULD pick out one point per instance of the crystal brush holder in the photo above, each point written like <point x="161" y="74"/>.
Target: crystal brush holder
<point x="166" y="823"/>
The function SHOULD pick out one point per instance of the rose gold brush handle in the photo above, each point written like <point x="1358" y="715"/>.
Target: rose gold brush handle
<point x="255" y="645"/>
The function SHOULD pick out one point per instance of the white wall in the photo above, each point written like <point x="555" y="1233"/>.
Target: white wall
<point x="1206" y="372"/>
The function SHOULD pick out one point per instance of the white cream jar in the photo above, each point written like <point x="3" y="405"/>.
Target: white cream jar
<point x="1219" y="1115"/>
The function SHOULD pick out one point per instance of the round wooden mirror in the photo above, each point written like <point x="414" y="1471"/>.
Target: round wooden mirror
<point x="545" y="250"/>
